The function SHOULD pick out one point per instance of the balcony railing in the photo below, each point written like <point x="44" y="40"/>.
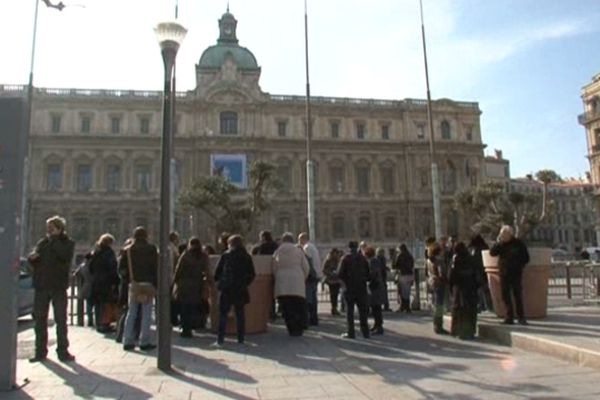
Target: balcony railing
<point x="588" y="116"/>
<point x="366" y="102"/>
<point x="21" y="90"/>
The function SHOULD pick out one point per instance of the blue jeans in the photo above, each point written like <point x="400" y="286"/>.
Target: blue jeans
<point x="146" y="320"/>
<point x="311" y="301"/>
<point x="224" y="305"/>
<point x="439" y="295"/>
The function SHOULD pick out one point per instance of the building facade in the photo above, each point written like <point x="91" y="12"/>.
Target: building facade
<point x="497" y="168"/>
<point x="571" y="225"/>
<point x="590" y="119"/>
<point x="95" y="154"/>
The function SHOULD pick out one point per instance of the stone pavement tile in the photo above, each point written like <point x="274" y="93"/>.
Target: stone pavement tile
<point x="117" y="390"/>
<point x="342" y="390"/>
<point x="321" y="379"/>
<point x="291" y="392"/>
<point x="273" y="382"/>
<point x="238" y="394"/>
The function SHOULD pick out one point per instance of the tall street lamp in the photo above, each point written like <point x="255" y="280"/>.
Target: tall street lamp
<point x="435" y="185"/>
<point x="169" y="35"/>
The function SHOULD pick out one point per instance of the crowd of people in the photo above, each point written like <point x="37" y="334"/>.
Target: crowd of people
<point x="121" y="287"/>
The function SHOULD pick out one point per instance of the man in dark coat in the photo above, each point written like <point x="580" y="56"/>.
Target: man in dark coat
<point x="51" y="263"/>
<point x="267" y="245"/>
<point x="512" y="258"/>
<point x="144" y="265"/>
<point x="354" y="272"/>
<point x="234" y="273"/>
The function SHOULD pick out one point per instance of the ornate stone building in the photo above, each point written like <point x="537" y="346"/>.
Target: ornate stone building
<point x="571" y="224"/>
<point x="95" y="154"/>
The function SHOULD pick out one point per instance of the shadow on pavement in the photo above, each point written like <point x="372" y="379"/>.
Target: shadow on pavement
<point x="88" y="384"/>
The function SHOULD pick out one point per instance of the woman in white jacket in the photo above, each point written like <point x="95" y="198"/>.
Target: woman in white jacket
<point x="291" y="270"/>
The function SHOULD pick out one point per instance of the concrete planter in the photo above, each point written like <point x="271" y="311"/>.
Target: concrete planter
<point x="261" y="297"/>
<point x="535" y="282"/>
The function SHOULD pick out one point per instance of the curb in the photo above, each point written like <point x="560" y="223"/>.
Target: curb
<point x="529" y="342"/>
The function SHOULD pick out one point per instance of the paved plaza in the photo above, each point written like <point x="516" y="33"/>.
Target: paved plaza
<point x="408" y="362"/>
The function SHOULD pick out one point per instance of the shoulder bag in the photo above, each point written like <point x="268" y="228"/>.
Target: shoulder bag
<point x="141" y="292"/>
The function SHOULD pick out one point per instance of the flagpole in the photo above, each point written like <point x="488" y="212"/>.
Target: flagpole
<point x="435" y="187"/>
<point x="310" y="180"/>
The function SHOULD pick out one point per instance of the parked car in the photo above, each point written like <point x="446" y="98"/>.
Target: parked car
<point x="26" y="290"/>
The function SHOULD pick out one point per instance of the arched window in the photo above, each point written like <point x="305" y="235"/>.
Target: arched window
<point x="363" y="172"/>
<point x="284" y="174"/>
<point x="54" y="176"/>
<point x="389" y="227"/>
<point x="283" y="224"/>
<point x="449" y="178"/>
<point x="386" y="173"/>
<point x="229" y="123"/>
<point x="84" y="177"/>
<point x="445" y="128"/>
<point x="336" y="177"/>
<point x="80" y="229"/>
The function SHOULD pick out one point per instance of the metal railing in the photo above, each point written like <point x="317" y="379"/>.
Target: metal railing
<point x="576" y="280"/>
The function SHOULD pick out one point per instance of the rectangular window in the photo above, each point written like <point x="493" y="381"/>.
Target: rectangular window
<point x="54" y="178"/>
<point x="362" y="180"/>
<point x="385" y="132"/>
<point x="144" y="125"/>
<point x="469" y="133"/>
<point x="338" y="227"/>
<point x="282" y="129"/>
<point x="115" y="125"/>
<point x="84" y="178"/>
<point x="229" y="123"/>
<point x="387" y="180"/>
<point x="360" y="130"/>
<point x="113" y="177"/>
<point x="56" y="120"/>
<point x="86" y="123"/>
<point x="335" y="130"/>
<point x="143" y="178"/>
<point x="420" y="131"/>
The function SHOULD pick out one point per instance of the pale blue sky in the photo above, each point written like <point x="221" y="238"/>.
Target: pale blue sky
<point x="524" y="61"/>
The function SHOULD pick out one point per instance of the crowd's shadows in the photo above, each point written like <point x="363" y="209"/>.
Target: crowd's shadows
<point x="89" y="384"/>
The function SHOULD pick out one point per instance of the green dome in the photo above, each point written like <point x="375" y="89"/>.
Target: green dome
<point x="227" y="44"/>
<point x="214" y="56"/>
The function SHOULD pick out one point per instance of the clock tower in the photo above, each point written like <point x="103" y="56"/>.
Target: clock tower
<point x="227" y="25"/>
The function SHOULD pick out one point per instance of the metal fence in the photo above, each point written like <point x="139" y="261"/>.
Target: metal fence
<point x="575" y="280"/>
